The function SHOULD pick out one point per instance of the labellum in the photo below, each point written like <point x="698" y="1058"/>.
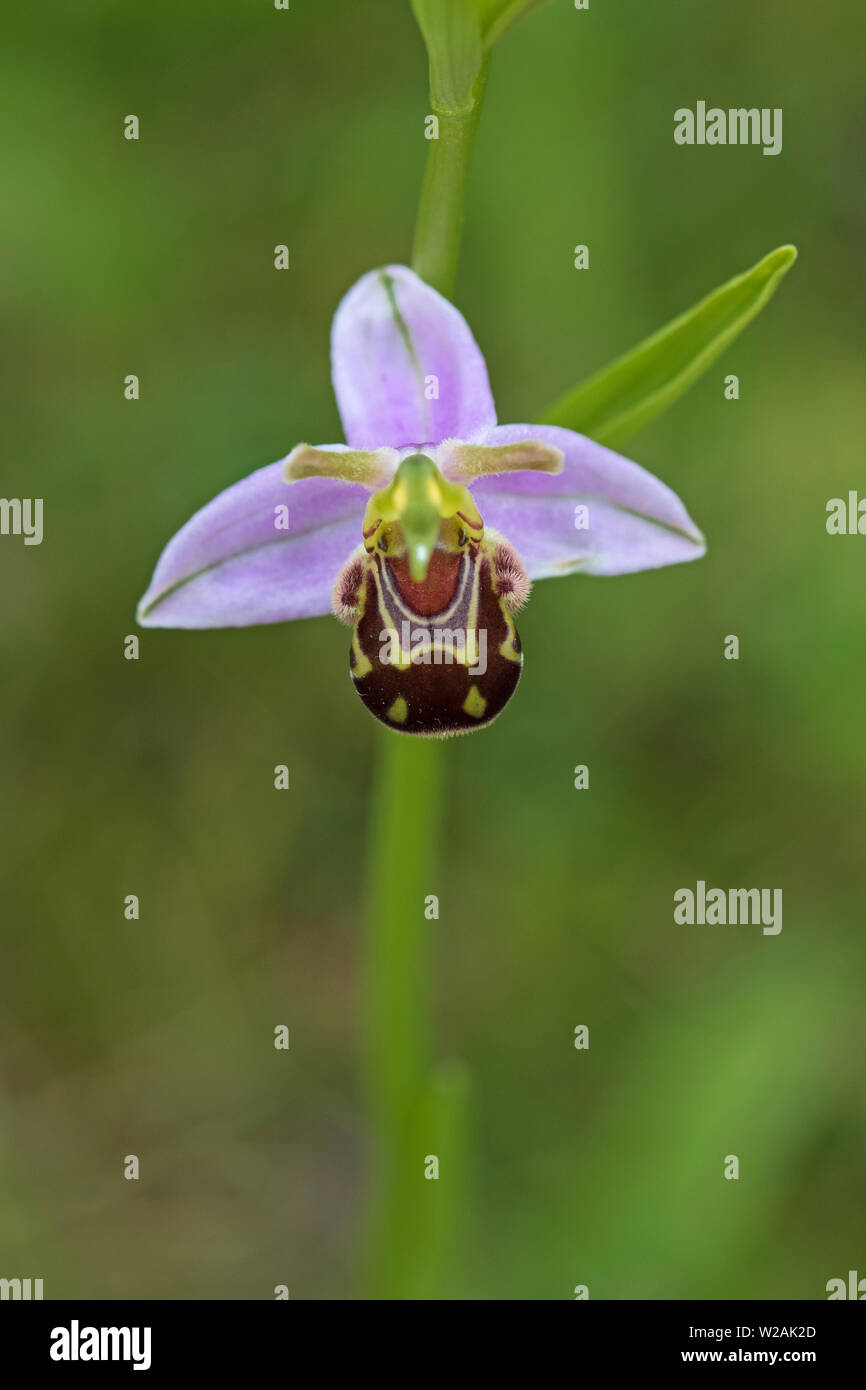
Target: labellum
<point x="430" y="596"/>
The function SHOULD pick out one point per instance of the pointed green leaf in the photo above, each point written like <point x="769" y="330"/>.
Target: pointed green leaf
<point x="452" y="33"/>
<point x="624" y="396"/>
<point x="498" y="15"/>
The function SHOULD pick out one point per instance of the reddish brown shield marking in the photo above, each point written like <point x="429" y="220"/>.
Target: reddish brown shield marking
<point x="466" y="665"/>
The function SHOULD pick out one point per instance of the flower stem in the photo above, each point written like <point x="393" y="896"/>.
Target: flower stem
<point x="417" y="1110"/>
<point x="436" y="248"/>
<point x="403" y="837"/>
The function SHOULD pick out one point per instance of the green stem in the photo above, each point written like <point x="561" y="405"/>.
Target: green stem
<point x="404" y="832"/>
<point x="416" y="1109"/>
<point x="436" y="248"/>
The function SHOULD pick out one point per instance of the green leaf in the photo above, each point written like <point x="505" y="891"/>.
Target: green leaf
<point x="452" y="33"/>
<point x="498" y="15"/>
<point x="624" y="396"/>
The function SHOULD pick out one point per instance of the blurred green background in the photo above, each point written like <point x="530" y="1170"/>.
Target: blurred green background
<point x="156" y="777"/>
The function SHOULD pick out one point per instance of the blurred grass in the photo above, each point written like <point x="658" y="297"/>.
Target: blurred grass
<point x="155" y="777"/>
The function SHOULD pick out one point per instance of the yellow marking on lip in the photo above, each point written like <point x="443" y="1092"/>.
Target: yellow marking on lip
<point x="363" y="665"/>
<point x="398" y="711"/>
<point x="475" y="703"/>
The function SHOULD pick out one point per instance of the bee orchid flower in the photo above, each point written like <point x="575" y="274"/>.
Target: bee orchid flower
<point x="424" y="530"/>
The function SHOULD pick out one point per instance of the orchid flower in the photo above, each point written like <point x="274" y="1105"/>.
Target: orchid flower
<point x="424" y="530"/>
